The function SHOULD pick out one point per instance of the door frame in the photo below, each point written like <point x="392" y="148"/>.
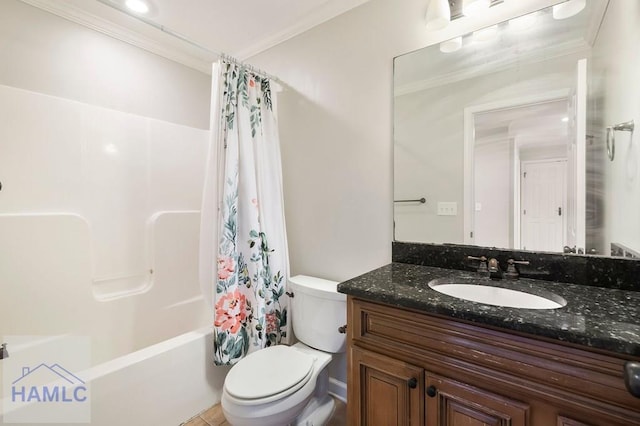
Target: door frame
<point x="469" y="140"/>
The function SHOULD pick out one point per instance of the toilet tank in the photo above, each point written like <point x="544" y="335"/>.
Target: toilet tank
<point x="318" y="310"/>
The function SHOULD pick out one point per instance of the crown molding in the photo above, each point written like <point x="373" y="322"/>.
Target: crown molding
<point x="92" y="15"/>
<point x="557" y="51"/>
<point x="322" y="14"/>
<point x="144" y="36"/>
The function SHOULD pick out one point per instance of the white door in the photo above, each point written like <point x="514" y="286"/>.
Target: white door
<point x="543" y="194"/>
<point x="576" y="165"/>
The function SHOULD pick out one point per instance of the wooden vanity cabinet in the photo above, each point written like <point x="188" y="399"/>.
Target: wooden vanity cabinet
<point x="411" y="368"/>
<point x="391" y="391"/>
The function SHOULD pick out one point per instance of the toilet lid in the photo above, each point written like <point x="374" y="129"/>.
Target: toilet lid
<point x="267" y="372"/>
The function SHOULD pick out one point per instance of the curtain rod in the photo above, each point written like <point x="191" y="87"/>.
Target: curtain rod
<point x="187" y="40"/>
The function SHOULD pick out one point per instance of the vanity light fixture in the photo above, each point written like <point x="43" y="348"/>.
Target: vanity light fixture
<point x="474" y="7"/>
<point x="137" y="6"/>
<point x="524" y="22"/>
<point x="568" y="9"/>
<point x="451" y="45"/>
<point x="438" y="15"/>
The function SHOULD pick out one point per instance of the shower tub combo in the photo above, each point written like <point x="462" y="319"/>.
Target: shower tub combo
<point x="99" y="222"/>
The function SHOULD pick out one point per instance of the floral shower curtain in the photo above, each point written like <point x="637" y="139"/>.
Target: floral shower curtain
<point x="244" y="176"/>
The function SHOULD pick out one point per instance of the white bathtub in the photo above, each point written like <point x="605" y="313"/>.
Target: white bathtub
<point x="99" y="230"/>
<point x="163" y="384"/>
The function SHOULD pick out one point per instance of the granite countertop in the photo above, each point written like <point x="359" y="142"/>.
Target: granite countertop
<point x="596" y="317"/>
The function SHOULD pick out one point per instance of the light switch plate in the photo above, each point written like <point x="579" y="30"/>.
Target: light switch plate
<point x="447" y="208"/>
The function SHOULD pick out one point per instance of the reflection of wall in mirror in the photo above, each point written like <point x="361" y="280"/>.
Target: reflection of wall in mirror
<point x="616" y="58"/>
<point x="429" y="141"/>
<point x="492" y="188"/>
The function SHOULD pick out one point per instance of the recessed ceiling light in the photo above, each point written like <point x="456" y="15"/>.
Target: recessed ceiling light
<point x="565" y="119"/>
<point x="110" y="148"/>
<point x="138" y="6"/>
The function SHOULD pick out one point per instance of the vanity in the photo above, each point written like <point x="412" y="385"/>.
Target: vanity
<point x="419" y="357"/>
<point x="519" y="146"/>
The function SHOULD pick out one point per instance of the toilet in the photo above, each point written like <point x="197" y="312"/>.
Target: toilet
<point x="288" y="385"/>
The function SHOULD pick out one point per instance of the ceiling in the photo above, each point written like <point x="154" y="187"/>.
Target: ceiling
<point x="240" y="28"/>
<point x="534" y="124"/>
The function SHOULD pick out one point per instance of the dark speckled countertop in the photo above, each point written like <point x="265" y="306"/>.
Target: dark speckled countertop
<point x="596" y="317"/>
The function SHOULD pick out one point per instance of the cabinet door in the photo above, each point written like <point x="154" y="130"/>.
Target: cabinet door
<point x="384" y="391"/>
<point x="451" y="403"/>
<point x="565" y="421"/>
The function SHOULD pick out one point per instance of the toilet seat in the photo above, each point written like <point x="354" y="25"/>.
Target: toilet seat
<point x="268" y="375"/>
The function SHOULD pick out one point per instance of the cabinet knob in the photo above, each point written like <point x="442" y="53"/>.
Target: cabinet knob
<point x="431" y="391"/>
<point x="412" y="383"/>
<point x="343" y="329"/>
<point x="632" y="377"/>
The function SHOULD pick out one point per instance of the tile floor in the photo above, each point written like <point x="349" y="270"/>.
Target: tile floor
<point x="214" y="417"/>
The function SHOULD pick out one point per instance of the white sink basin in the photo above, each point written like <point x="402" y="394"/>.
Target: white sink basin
<point x="497" y="296"/>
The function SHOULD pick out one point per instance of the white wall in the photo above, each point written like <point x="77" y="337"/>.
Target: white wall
<point x="336" y="131"/>
<point x="47" y="54"/>
<point x="618" y="103"/>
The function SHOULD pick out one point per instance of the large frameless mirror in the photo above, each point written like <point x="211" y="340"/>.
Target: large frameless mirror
<point x="519" y="136"/>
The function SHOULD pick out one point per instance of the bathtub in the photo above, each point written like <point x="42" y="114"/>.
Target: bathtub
<point x="163" y="384"/>
<point x="99" y="232"/>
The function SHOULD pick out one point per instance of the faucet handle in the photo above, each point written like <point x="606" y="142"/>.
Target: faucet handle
<point x="482" y="266"/>
<point x="512" y="272"/>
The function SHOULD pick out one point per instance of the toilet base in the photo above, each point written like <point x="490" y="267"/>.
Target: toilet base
<point x="317" y="412"/>
<point x="309" y="406"/>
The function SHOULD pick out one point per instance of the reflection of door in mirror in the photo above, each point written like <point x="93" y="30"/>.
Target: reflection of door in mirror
<point x="527" y="168"/>
<point x="517" y="153"/>
<point x="543" y="193"/>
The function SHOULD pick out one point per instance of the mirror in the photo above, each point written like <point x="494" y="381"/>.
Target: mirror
<point x="504" y="133"/>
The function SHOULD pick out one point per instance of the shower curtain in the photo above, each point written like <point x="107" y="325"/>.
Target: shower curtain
<point x="243" y="249"/>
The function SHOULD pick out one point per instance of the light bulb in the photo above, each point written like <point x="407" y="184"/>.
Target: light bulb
<point x="568" y="9"/>
<point x="451" y="45"/>
<point x="438" y="15"/>
<point x="473" y="7"/>
<point x="138" y="6"/>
